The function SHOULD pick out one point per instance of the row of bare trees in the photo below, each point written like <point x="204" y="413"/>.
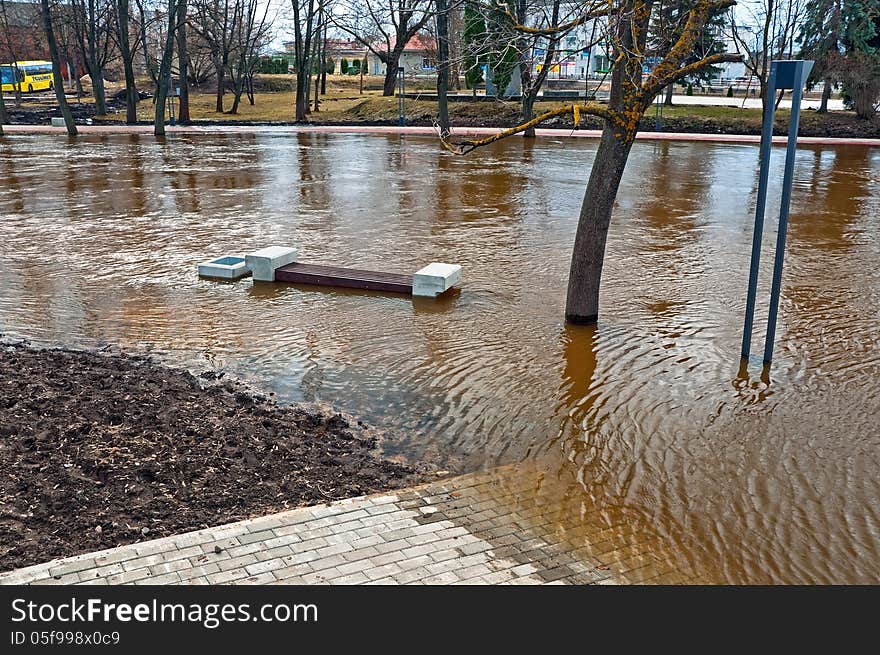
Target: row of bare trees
<point x="527" y="38"/>
<point x="160" y="40"/>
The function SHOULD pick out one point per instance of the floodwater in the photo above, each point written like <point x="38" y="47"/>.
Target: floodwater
<point x="647" y="420"/>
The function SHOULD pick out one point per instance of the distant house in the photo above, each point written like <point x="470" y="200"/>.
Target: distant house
<point x="419" y="55"/>
<point x="351" y="51"/>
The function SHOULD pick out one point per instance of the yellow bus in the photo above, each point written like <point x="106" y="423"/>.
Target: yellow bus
<point x="28" y="76"/>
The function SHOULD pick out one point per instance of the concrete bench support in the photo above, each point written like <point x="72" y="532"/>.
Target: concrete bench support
<point x="435" y="278"/>
<point x="264" y="262"/>
<point x="230" y="267"/>
<point x="57" y="122"/>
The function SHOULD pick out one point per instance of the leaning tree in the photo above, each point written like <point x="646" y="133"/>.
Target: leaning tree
<point x="626" y="25"/>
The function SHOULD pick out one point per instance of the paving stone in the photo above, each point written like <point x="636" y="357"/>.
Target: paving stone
<point x="354" y="578"/>
<point x="199" y="572"/>
<point x="128" y="577"/>
<point x="70" y="579"/>
<point x="264" y="566"/>
<point x="195" y="581"/>
<point x="253" y="537"/>
<point x="261" y="578"/>
<point x="444" y="555"/>
<point x="238" y="551"/>
<point x="411" y="575"/>
<point x="354" y="567"/>
<point x="72" y="567"/>
<point x="387" y="558"/>
<point x="384" y="571"/>
<point x="170" y="567"/>
<point x="415" y="551"/>
<point x="236" y="562"/>
<point x="326" y="563"/>
<point x="168" y="578"/>
<point x="225" y="577"/>
<point x="360" y="553"/>
<point x="447" y="577"/>
<point x="292" y="572"/>
<point x="115" y="557"/>
<point x="474" y="547"/>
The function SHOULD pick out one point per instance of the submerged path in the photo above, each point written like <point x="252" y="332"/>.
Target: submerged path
<point x="390" y="129"/>
<point x="498" y="527"/>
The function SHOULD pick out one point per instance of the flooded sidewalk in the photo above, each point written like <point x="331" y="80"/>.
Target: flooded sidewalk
<point x="416" y="130"/>
<point x="482" y="528"/>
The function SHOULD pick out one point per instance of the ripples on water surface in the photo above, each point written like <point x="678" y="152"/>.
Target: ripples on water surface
<point x="645" y="421"/>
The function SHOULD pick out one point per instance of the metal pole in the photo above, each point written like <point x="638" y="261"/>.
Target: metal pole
<point x="766" y="144"/>
<point x="790" y="155"/>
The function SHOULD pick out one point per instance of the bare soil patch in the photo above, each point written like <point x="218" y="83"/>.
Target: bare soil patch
<point x="98" y="451"/>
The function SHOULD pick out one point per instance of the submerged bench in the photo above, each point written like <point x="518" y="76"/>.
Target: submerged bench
<point x="334" y="276"/>
<point x="278" y="264"/>
<point x="430" y="281"/>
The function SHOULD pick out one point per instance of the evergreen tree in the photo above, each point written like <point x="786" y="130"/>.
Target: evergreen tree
<point x="668" y="19"/>
<point x="820" y="41"/>
<point x="504" y="47"/>
<point x="843" y="38"/>
<point x="474" y="43"/>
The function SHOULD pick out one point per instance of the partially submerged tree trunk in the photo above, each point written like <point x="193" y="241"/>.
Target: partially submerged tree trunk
<point x="302" y="97"/>
<point x="182" y="63"/>
<point x="585" y="274"/>
<point x="58" y="81"/>
<point x="164" y="79"/>
<point x="131" y="93"/>
<point x="2" y="111"/>
<point x="96" y="70"/>
<point x="528" y="112"/>
<point x="304" y="17"/>
<point x="442" y="66"/>
<point x="220" y="69"/>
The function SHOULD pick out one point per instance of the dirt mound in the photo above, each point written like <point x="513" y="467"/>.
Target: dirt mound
<point x="99" y="451"/>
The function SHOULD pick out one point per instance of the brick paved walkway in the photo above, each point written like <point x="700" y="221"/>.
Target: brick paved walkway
<point x="501" y="527"/>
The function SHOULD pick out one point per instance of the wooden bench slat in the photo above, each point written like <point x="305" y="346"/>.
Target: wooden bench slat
<point x="299" y="273"/>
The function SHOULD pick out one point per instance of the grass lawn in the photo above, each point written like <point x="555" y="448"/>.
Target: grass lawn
<point x="344" y="103"/>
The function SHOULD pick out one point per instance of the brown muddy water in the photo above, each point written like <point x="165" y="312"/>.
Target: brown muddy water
<point x="646" y="421"/>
